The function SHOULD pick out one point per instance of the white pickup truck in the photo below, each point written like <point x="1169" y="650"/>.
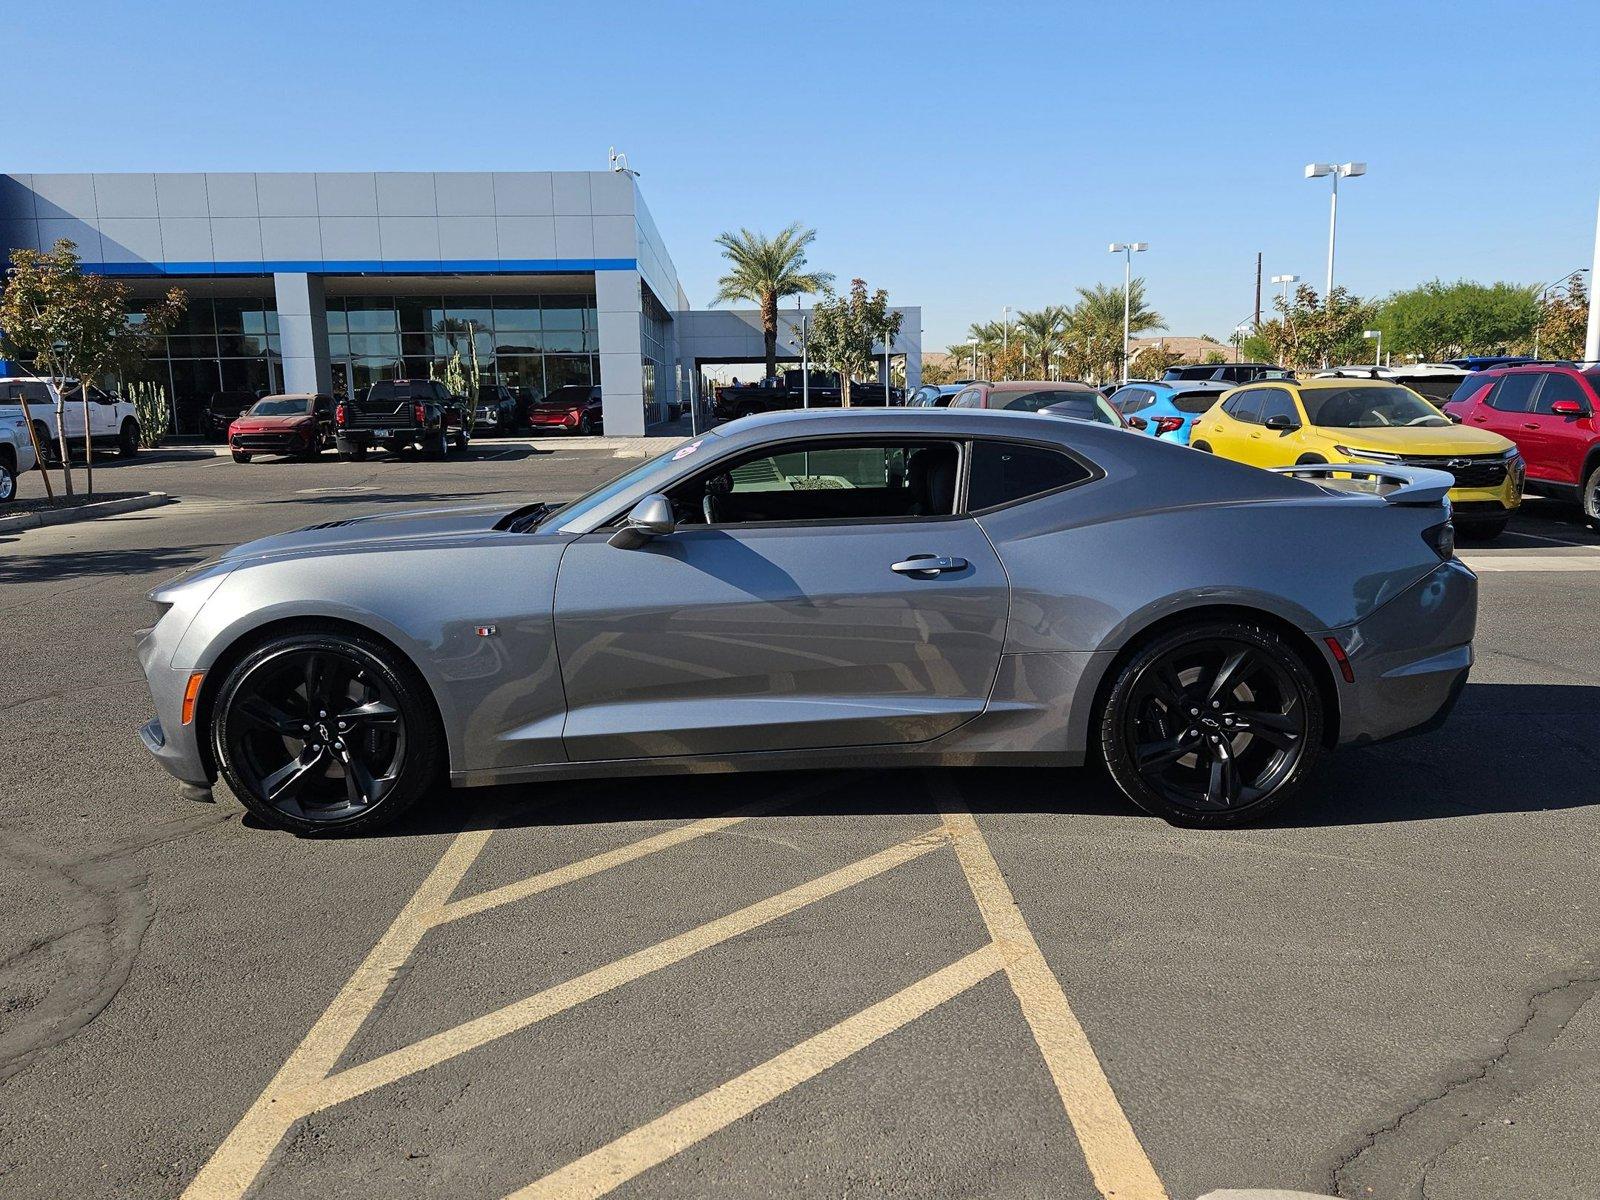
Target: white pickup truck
<point x="112" y="424"/>
<point x="16" y="452"/>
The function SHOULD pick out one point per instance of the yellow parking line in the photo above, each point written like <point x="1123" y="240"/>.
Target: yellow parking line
<point x="614" y="1164"/>
<point x="533" y="885"/>
<point x="245" y="1151"/>
<point x="451" y="1043"/>
<point x="233" y="1168"/>
<point x="1110" y="1147"/>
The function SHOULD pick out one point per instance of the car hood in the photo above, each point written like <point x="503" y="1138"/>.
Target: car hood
<point x="271" y="422"/>
<point x="380" y="530"/>
<point x="1441" y="440"/>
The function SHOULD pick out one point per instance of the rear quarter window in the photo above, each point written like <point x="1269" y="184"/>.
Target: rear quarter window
<point x="1005" y="472"/>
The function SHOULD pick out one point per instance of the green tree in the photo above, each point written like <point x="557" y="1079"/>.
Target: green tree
<point x="763" y="271"/>
<point x="1439" y="320"/>
<point x="1309" y="333"/>
<point x="845" y="328"/>
<point x="1094" y="323"/>
<point x="75" y="327"/>
<point x="1041" y="333"/>
<point x="1563" y="321"/>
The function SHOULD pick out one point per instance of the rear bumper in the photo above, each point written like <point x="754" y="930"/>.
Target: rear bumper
<point x="398" y="439"/>
<point x="1410" y="658"/>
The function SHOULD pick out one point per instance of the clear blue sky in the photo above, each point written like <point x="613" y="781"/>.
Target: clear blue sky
<point x="963" y="156"/>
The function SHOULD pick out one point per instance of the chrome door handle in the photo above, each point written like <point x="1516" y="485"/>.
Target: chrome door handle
<point x="928" y="564"/>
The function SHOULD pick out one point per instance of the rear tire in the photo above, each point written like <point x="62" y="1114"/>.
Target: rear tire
<point x="1213" y="724"/>
<point x="1310" y="460"/>
<point x="356" y="778"/>
<point x="353" y="453"/>
<point x="8" y="483"/>
<point x="128" y="438"/>
<point x="1200" y="446"/>
<point x="49" y="452"/>
<point x="463" y="439"/>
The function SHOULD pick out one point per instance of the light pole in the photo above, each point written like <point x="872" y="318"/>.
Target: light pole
<point x="886" y="368"/>
<point x="805" y="357"/>
<point x="1127" y="250"/>
<point x="973" y="342"/>
<point x="1369" y="334"/>
<point x="1543" y="292"/>
<point x="1005" y="328"/>
<point x="1334" y="171"/>
<point x="1286" y="280"/>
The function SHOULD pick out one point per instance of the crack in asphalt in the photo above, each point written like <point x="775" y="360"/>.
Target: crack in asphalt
<point x="108" y="911"/>
<point x="1392" y="1160"/>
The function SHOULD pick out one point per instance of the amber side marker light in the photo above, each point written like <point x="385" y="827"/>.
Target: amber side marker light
<point x="191" y="692"/>
<point x="1339" y="657"/>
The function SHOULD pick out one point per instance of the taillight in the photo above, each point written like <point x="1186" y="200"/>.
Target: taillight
<point x="339" y="414"/>
<point x="419" y="414"/>
<point x="1442" y="539"/>
<point x="1168" y="425"/>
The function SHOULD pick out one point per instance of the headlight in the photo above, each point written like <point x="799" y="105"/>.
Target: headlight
<point x="1381" y="456"/>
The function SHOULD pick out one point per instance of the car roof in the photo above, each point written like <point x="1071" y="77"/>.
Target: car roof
<point x="1191" y="385"/>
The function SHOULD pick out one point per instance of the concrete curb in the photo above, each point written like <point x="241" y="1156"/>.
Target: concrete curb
<point x="84" y="512"/>
<point x="619" y="447"/>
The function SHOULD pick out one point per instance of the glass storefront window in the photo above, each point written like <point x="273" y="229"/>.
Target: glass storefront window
<point x="475" y="309"/>
<point x="564" y="341"/>
<point x="562" y="369"/>
<point x="371" y="314"/>
<point x="374" y="345"/>
<point x="419" y="314"/>
<point x="518" y="342"/>
<point x="336" y="317"/>
<point x="516" y="312"/>
<point x="192" y="346"/>
<point x="522" y="371"/>
<point x="564" y="312"/>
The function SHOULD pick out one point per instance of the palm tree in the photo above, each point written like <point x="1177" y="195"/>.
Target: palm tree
<point x="1095" y="323"/>
<point x="1041" y="333"/>
<point x="764" y="270"/>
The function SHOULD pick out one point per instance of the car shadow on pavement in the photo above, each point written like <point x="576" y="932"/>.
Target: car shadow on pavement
<point x="1507" y="748"/>
<point x="81" y="564"/>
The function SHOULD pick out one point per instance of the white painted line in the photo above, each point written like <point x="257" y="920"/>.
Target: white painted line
<point x="343" y="487"/>
<point x="1498" y="564"/>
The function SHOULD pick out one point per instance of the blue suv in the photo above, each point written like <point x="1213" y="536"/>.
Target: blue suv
<point x="1167" y="409"/>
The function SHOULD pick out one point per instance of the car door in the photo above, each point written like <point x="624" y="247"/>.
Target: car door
<point x="1556" y="442"/>
<point x="1274" y="447"/>
<point x="1236" y="420"/>
<point x="812" y="626"/>
<point x="1505" y="410"/>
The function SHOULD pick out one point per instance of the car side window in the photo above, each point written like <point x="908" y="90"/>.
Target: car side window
<point x="1005" y="472"/>
<point x="1514" y="393"/>
<point x="1275" y="402"/>
<point x="1558" y="386"/>
<point x="1246" y="407"/>
<point x="819" y="481"/>
<point x="1034" y="401"/>
<point x="1131" y="400"/>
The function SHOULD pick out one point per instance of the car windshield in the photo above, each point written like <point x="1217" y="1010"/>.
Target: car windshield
<point x="280" y="406"/>
<point x="602" y="497"/>
<point x="1369" y="408"/>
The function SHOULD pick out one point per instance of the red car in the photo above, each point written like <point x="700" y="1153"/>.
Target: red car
<point x="299" y="425"/>
<point x="1548" y="410"/>
<point x="574" y="408"/>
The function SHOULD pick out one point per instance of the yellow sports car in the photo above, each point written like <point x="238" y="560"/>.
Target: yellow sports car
<point x="1285" y="423"/>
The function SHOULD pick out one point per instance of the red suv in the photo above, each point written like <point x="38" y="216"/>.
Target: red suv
<point x="1549" y="412"/>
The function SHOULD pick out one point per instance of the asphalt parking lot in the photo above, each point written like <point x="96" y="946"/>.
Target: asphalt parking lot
<point x="980" y="983"/>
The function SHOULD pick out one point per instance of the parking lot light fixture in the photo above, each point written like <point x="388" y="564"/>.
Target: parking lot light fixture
<point x="1333" y="171"/>
<point x="973" y="342"/>
<point x="1369" y="334"/>
<point x="1286" y="280"/>
<point x="1127" y="250"/>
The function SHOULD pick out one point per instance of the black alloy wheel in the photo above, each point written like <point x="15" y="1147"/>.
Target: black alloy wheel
<point x="1591" y="497"/>
<point x="1213" y="724"/>
<point x="318" y="732"/>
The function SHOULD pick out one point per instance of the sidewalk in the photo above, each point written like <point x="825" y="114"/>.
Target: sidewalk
<point x="661" y="437"/>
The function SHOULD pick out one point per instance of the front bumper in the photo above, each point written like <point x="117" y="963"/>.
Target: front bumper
<point x="271" y="443"/>
<point x="1409" y="658"/>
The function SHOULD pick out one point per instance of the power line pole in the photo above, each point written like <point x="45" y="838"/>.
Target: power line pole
<point x="1258" y="289"/>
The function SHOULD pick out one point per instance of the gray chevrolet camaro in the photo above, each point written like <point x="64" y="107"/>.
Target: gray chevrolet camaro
<point x="829" y="589"/>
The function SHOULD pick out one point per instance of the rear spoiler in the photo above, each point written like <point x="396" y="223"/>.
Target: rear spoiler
<point x="1395" y="484"/>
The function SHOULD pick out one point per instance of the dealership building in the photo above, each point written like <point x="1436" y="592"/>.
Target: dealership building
<point x="330" y="281"/>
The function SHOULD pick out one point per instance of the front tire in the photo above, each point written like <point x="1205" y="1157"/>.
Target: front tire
<point x="1213" y="724"/>
<point x="1591" y="497"/>
<point x="326" y="732"/>
<point x="49" y="452"/>
<point x="241" y="456"/>
<point x="1203" y="447"/>
<point x="8" y="483"/>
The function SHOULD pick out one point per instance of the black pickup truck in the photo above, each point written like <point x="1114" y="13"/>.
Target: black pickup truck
<point x="786" y="391"/>
<point x="401" y="415"/>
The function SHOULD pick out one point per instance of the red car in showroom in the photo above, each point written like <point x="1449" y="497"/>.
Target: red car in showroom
<point x="573" y="408"/>
<point x="1548" y="410"/>
<point x="297" y="424"/>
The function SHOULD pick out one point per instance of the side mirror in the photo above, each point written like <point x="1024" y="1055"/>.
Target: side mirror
<point x="1568" y="408"/>
<point x="651" y="517"/>
<point x="1455" y="418"/>
<point x="1279" y="423"/>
